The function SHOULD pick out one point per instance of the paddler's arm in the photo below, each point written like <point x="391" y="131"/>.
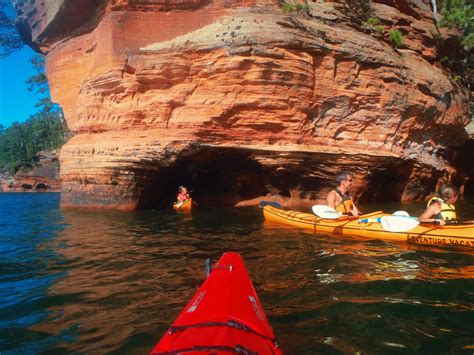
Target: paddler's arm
<point x="355" y="211"/>
<point x="432" y="210"/>
<point x="331" y="199"/>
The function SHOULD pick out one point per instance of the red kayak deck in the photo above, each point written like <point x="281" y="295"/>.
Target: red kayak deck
<point x="223" y="317"/>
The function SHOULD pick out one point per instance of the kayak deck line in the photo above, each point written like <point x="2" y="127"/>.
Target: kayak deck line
<point x="232" y="323"/>
<point x="312" y="220"/>
<point x="223" y="316"/>
<point x="238" y="349"/>
<point x="447" y="236"/>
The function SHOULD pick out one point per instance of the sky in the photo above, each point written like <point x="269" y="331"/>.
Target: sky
<point x="16" y="102"/>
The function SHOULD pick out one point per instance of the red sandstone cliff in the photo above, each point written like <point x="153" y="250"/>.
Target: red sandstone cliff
<point x="44" y="177"/>
<point x="237" y="99"/>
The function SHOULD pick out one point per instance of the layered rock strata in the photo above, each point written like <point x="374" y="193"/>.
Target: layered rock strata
<point x="44" y="177"/>
<point x="238" y="100"/>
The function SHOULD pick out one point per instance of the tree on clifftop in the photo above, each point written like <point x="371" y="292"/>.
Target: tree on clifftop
<point x="459" y="14"/>
<point x="10" y="40"/>
<point x="50" y="112"/>
<point x="45" y="130"/>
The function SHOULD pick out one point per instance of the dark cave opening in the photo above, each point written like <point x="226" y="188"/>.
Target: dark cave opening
<point x="214" y="177"/>
<point x="41" y="186"/>
<point x="464" y="163"/>
<point x="469" y="188"/>
<point x="387" y="184"/>
<point x="217" y="176"/>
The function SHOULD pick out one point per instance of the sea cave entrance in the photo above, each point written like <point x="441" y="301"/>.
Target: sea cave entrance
<point x="215" y="177"/>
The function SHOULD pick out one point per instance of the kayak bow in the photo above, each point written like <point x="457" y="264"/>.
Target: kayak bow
<point x="224" y="316"/>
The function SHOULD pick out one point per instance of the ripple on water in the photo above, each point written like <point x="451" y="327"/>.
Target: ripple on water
<point x="97" y="282"/>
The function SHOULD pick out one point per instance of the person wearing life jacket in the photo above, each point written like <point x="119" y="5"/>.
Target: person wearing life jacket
<point x="441" y="208"/>
<point x="340" y="199"/>
<point x="182" y="195"/>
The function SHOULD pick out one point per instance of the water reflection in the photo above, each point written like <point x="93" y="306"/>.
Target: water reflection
<point x="126" y="273"/>
<point x="113" y="282"/>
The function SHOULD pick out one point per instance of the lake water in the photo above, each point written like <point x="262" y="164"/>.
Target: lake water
<point x="112" y="282"/>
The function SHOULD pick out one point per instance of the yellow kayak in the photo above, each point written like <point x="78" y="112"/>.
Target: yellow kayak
<point x="186" y="205"/>
<point x="447" y="236"/>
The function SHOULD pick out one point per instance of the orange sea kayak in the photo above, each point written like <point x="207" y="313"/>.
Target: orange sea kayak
<point x="183" y="206"/>
<point x="461" y="236"/>
<point x="224" y="317"/>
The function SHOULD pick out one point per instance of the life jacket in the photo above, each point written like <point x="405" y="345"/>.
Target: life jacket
<point x="448" y="211"/>
<point x="346" y="204"/>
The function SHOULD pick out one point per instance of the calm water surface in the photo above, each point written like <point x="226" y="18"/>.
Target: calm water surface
<point x="112" y="282"/>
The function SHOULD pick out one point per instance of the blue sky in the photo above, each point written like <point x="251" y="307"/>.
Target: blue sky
<point x="16" y="102"/>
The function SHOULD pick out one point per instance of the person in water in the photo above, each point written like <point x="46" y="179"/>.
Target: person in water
<point x="441" y="208"/>
<point x="340" y="199"/>
<point x="182" y="195"/>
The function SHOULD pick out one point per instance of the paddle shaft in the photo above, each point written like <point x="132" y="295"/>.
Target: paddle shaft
<point x="453" y="223"/>
<point x="449" y="223"/>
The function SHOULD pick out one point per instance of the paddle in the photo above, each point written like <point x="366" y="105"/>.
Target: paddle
<point x="326" y="212"/>
<point x="398" y="223"/>
<point x="208" y="266"/>
<point x="401" y="213"/>
<point x="453" y="223"/>
<point x="269" y="203"/>
<point x="394" y="223"/>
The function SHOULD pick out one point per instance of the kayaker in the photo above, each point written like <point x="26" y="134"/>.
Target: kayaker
<point x="182" y="195"/>
<point x="441" y="208"/>
<point x="340" y="198"/>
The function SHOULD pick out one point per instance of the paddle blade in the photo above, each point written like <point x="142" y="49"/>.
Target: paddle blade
<point x="326" y="212"/>
<point x="401" y="213"/>
<point x="398" y="223"/>
<point x="269" y="203"/>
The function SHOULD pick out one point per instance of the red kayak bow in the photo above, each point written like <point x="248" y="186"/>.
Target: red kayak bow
<point x="224" y="317"/>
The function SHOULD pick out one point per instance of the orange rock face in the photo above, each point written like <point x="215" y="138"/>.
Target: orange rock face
<point x="238" y="100"/>
<point x="42" y="178"/>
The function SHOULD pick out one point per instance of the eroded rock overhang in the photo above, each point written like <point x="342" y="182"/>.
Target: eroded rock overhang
<point x="238" y="99"/>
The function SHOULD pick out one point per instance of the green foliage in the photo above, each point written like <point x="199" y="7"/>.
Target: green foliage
<point x="10" y="40"/>
<point x="468" y="41"/>
<point x="38" y="82"/>
<point x="373" y="21"/>
<point x="373" y="24"/>
<point x="380" y="29"/>
<point x="20" y="143"/>
<point x="396" y="37"/>
<point x="459" y="14"/>
<point x="45" y="130"/>
<point x="294" y="7"/>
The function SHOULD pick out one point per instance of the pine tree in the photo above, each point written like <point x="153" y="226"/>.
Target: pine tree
<point x="45" y="130"/>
